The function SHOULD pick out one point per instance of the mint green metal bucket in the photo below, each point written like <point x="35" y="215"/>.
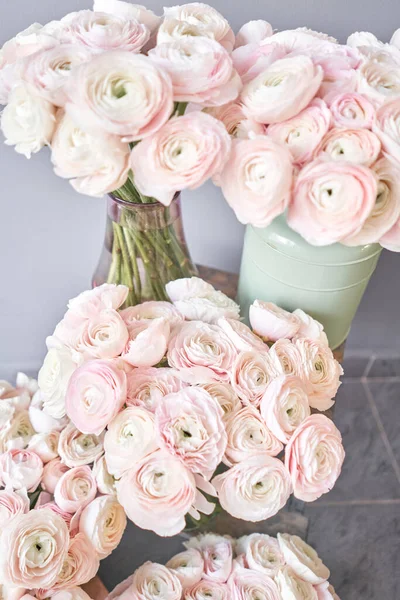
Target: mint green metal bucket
<point x="327" y="282"/>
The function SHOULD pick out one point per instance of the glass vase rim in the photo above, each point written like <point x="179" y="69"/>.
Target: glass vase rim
<point x="142" y="205"/>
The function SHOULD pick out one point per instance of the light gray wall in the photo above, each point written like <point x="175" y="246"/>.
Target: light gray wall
<point x="50" y="237"/>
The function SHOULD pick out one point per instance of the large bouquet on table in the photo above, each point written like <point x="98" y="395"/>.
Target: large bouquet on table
<point x="182" y="404"/>
<point x="59" y="514"/>
<point x="317" y="135"/>
<point x="213" y="567"/>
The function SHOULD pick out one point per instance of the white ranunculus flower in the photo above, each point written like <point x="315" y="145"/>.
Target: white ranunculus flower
<point x="53" y="379"/>
<point x="386" y="211"/>
<point x="28" y="121"/>
<point x="253" y="32"/>
<point x="225" y="396"/>
<point x="17" y="432"/>
<point x="261" y="552"/>
<point x="387" y="128"/>
<point x="195" y="19"/>
<point x="292" y="587"/>
<point x="96" y="164"/>
<point x="363" y="38"/>
<point x="379" y="78"/>
<point x="310" y="328"/>
<point x="282" y="90"/>
<point x="45" y="445"/>
<point x="27" y="42"/>
<point x="209" y="308"/>
<point x="303" y="559"/>
<point x="104" y="522"/>
<point x="105" y="481"/>
<point x="130" y="437"/>
<point x="153" y="581"/>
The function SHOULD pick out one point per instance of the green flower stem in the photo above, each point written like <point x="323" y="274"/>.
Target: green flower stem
<point x="126" y="267"/>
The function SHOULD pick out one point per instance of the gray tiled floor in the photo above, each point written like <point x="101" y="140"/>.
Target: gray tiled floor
<point x="355" y="528"/>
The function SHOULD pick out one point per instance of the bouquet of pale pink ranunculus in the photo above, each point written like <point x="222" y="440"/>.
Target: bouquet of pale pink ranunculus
<point x="107" y="90"/>
<point x="317" y="135"/>
<point x="213" y="567"/>
<point x="189" y="404"/>
<point x="59" y="513"/>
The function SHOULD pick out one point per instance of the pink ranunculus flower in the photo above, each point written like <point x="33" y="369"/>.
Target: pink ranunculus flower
<point x="103" y="521"/>
<point x="148" y="341"/>
<point x="325" y="591"/>
<point x="285" y="358"/>
<point x="67" y="517"/>
<point x="379" y="77"/>
<point x="152" y="310"/>
<point x="137" y="104"/>
<point x="283" y="90"/>
<point x="257" y="179"/>
<point x="253" y="32"/>
<point x="190" y="426"/>
<point x="250" y="375"/>
<point x="153" y="580"/>
<point x="128" y="11"/>
<point x="386" y="212"/>
<point x="48" y="70"/>
<point x="52" y="472"/>
<point x="20" y="469"/>
<point x="207" y="590"/>
<point x="28" y="121"/>
<point x="75" y="593"/>
<point x="271" y="322"/>
<point x="202" y="348"/>
<point x="188" y="287"/>
<point x="129" y="437"/>
<point x="158" y="492"/>
<point x="195" y="20"/>
<point x="80" y="565"/>
<point x="351" y="110"/>
<point x="13" y="593"/>
<point x="148" y="386"/>
<point x="314" y="457"/>
<point x="95" y="395"/>
<point x="248" y="435"/>
<point x="99" y="32"/>
<point x="104" y="480"/>
<point x="291" y="586"/>
<point x="96" y="164"/>
<point x="12" y="504"/>
<point x="255" y="489"/>
<point x="303" y="133"/>
<point x="357" y="146"/>
<point x="217" y="554"/>
<point x="75" y="489"/>
<point x="90" y="302"/>
<point x="236" y="122"/>
<point x="320" y="372"/>
<point x="303" y="559"/>
<point x="181" y="155"/>
<point x="310" y="328"/>
<point x="201" y="71"/>
<point x="45" y="445"/>
<point x="188" y="566"/>
<point x="77" y="449"/>
<point x="249" y="583"/>
<point x="241" y="335"/>
<point x="225" y="396"/>
<point x="253" y="59"/>
<point x="261" y="552"/>
<point x="285" y="406"/>
<point x="331" y="201"/>
<point x="387" y="127"/>
<point x="26" y="563"/>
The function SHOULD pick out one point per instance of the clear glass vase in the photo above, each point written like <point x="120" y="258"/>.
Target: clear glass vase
<point x="144" y="248"/>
